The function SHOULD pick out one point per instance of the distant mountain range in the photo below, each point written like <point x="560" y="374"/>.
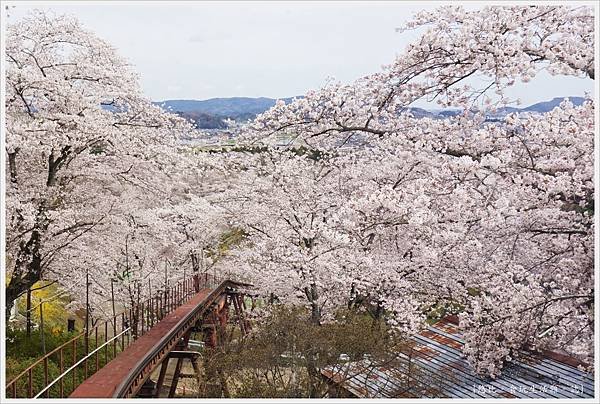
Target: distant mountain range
<point x="209" y="114"/>
<point x="540" y="108"/>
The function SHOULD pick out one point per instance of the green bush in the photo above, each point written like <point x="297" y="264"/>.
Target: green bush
<point x="19" y="345"/>
<point x="284" y="354"/>
<point x="23" y="351"/>
<point x="15" y="366"/>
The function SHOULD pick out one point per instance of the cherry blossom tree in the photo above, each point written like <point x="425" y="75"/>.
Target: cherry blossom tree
<point x="366" y="207"/>
<point x="147" y="243"/>
<point x="81" y="142"/>
<point x="494" y="220"/>
<point x="498" y="44"/>
<point x="288" y="205"/>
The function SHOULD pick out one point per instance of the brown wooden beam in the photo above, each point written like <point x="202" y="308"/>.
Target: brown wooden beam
<point x="184" y="354"/>
<point x="184" y="345"/>
<point x="161" y="376"/>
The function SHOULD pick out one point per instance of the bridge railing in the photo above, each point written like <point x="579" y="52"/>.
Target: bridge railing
<point x="59" y="372"/>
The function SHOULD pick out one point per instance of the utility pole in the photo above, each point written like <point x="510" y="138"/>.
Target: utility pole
<point x="114" y="313"/>
<point x="87" y="312"/>
<point x="166" y="293"/>
<point x="42" y="327"/>
<point x="28" y="313"/>
<point x="166" y="274"/>
<point x="112" y="297"/>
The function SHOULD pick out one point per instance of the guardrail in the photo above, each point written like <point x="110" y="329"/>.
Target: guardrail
<point x="58" y="373"/>
<point x="130" y="385"/>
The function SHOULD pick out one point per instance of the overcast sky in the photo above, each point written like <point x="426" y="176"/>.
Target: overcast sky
<point x="189" y="50"/>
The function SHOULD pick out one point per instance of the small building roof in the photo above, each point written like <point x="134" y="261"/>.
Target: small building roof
<point x="434" y="366"/>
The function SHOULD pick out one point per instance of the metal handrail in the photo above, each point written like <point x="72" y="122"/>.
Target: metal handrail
<point x="80" y="362"/>
<point x="40" y="360"/>
<point x="144" y="313"/>
<point x="126" y="384"/>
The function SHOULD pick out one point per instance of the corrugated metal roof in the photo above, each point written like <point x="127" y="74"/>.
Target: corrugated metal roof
<point x="434" y="366"/>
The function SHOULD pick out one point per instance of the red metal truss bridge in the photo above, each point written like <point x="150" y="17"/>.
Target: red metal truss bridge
<point x="115" y="358"/>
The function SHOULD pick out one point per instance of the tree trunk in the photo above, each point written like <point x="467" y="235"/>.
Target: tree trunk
<point x="28" y="265"/>
<point x="224" y="385"/>
<point x="378" y="310"/>
<point x="313" y="376"/>
<point x="12" y="166"/>
<point x="27" y="271"/>
<point x="311" y="358"/>
<point x="195" y="270"/>
<point x="313" y="296"/>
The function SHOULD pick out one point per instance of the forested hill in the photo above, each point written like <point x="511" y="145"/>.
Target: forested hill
<point x="209" y="114"/>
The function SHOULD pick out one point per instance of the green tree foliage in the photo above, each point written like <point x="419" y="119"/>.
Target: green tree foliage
<point x="284" y="356"/>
